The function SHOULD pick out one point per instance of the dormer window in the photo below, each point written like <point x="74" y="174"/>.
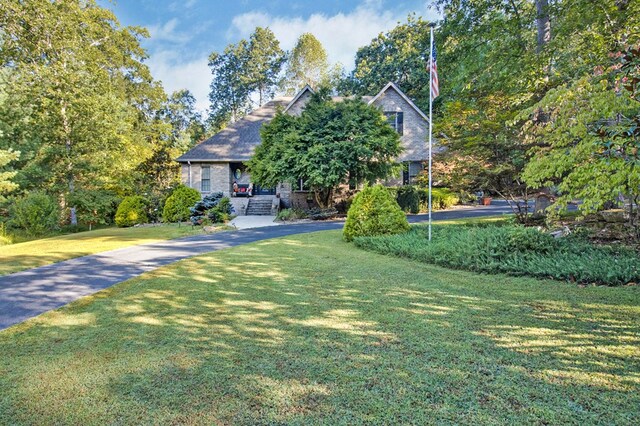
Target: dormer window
<point x="395" y="120"/>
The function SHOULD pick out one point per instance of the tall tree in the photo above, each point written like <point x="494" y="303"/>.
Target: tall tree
<point x="6" y="185"/>
<point x="264" y="63"/>
<point x="331" y="143"/>
<point x="79" y="94"/>
<point x="307" y="64"/>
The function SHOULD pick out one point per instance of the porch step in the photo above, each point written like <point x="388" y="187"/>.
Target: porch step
<point x="259" y="207"/>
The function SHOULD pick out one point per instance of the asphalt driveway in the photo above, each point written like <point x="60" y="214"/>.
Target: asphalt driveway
<point x="29" y="293"/>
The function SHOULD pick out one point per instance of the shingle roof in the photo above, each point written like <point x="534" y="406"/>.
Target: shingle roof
<point x="237" y="141"/>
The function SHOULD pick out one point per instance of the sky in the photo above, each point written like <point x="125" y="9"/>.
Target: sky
<point x="184" y="33"/>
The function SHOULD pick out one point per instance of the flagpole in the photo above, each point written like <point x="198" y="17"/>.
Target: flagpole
<point x="430" y="119"/>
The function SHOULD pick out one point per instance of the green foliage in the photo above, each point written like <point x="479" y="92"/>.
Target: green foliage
<point x="214" y="208"/>
<point x="329" y="144"/>
<point x="321" y="214"/>
<point x="512" y="250"/>
<point x="374" y="212"/>
<point x="408" y="198"/>
<point x="307" y="65"/>
<point x="291" y="214"/>
<point x="37" y="213"/>
<point x="93" y="207"/>
<point x="441" y="198"/>
<point x="132" y="211"/>
<point x="415" y="199"/>
<point x="6" y="185"/>
<point x="176" y="208"/>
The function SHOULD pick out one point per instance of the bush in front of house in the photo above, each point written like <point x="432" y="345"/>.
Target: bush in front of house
<point x="291" y="214"/>
<point x="408" y="198"/>
<point x="441" y="198"/>
<point x="37" y="213"/>
<point x="321" y="214"/>
<point x="374" y="211"/>
<point x="132" y="211"/>
<point x="215" y="207"/>
<point x="176" y="208"/>
<point x="512" y="250"/>
<point x="415" y="199"/>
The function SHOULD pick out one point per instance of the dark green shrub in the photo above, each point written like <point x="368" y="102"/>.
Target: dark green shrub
<point x="176" y="208"/>
<point x="93" y="207"/>
<point x="214" y="207"/>
<point x="408" y="198"/>
<point x="37" y="213"/>
<point x="512" y="250"/>
<point x="132" y="211"/>
<point x="374" y="212"/>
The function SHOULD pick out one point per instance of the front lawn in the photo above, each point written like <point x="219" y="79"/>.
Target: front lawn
<point x="31" y="254"/>
<point x="310" y="330"/>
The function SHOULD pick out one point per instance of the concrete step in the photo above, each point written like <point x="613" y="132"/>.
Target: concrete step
<point x="259" y="207"/>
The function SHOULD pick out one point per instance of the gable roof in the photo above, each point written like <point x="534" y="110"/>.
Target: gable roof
<point x="237" y="141"/>
<point x="401" y="93"/>
<point x="306" y="88"/>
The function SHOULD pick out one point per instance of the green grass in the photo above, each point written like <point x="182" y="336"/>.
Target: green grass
<point x="31" y="254"/>
<point x="310" y="330"/>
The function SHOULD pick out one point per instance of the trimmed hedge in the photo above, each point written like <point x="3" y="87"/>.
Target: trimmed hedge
<point x="374" y="212"/>
<point x="512" y="250"/>
<point x="132" y="211"/>
<point x="176" y="208"/>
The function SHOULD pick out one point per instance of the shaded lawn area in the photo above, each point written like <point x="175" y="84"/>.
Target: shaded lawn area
<point x="31" y="254"/>
<point x="310" y="330"/>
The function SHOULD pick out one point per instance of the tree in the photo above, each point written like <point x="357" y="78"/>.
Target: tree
<point x="80" y="95"/>
<point x="6" y="185"/>
<point x="230" y="93"/>
<point x="307" y="65"/>
<point x="264" y="63"/>
<point x="187" y="126"/>
<point x="589" y="139"/>
<point x="329" y="144"/>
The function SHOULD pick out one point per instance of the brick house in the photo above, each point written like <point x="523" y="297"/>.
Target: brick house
<point x="216" y="163"/>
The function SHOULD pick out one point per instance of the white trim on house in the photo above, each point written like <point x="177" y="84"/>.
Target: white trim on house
<point x="298" y="96"/>
<point x="401" y="93"/>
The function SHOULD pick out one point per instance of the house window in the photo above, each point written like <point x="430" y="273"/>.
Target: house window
<point x="396" y="120"/>
<point x="205" y="181"/>
<point x="301" y="185"/>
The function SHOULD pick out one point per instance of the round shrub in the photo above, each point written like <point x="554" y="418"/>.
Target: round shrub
<point x="408" y="198"/>
<point x="374" y="212"/>
<point x="132" y="211"/>
<point x="36" y="213"/>
<point x="176" y="208"/>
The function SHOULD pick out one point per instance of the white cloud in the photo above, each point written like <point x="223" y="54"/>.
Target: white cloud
<point x="341" y="34"/>
<point x="167" y="32"/>
<point x="177" y="73"/>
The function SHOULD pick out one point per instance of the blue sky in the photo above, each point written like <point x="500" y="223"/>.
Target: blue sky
<point x="184" y="33"/>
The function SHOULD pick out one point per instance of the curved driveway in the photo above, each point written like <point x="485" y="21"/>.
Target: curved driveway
<point x="29" y="293"/>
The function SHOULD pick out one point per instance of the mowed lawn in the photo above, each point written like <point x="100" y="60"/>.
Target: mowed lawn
<point x="31" y="254"/>
<point x="310" y="330"/>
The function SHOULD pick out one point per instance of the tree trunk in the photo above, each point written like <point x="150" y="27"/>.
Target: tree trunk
<point x="543" y="23"/>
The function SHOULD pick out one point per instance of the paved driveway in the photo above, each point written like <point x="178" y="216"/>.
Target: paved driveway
<point x="29" y="293"/>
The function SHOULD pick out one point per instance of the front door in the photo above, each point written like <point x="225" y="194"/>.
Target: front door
<point x="258" y="190"/>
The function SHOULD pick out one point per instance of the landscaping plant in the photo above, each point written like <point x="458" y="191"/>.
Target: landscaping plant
<point x="176" y="208"/>
<point x="374" y="212"/>
<point x="132" y="211"/>
<point x="512" y="250"/>
<point x="37" y="213"/>
<point x="214" y="207"/>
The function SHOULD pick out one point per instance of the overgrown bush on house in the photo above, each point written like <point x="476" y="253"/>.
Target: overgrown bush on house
<point x="374" y="211"/>
<point x="132" y="211"/>
<point x="36" y="213"/>
<point x="176" y="208"/>
<point x="214" y="207"/>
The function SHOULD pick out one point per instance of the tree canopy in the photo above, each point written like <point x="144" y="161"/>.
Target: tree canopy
<point x="329" y="144"/>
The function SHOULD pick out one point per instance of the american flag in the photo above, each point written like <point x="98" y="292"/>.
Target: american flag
<point x="433" y="63"/>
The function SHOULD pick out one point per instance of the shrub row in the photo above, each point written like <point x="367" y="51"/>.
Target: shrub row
<point x="415" y="199"/>
<point x="512" y="250"/>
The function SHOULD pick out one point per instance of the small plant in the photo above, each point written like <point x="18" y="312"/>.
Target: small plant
<point x="291" y="214"/>
<point x="37" y="213"/>
<point x="374" y="212"/>
<point x="176" y="208"/>
<point x="215" y="207"/>
<point x="132" y="211"/>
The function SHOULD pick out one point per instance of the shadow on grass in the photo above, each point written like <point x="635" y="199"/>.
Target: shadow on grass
<point x="272" y="333"/>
